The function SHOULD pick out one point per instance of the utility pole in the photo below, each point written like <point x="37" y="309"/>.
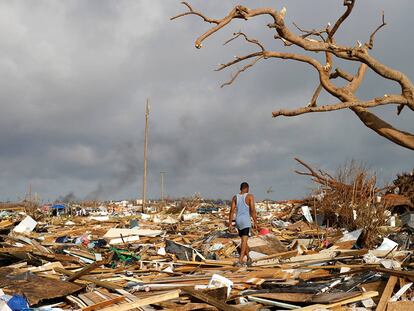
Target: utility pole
<point x="30" y="197"/>
<point x="162" y="185"/>
<point x="144" y="183"/>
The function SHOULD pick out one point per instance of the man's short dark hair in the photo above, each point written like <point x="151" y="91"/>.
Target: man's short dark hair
<point x="244" y="185"/>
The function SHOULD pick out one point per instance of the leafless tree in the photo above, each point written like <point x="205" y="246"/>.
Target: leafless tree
<point x="315" y="41"/>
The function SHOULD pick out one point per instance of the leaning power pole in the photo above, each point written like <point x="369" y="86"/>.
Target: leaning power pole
<point x="144" y="182"/>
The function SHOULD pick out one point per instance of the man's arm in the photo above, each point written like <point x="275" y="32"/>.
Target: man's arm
<point x="232" y="210"/>
<point x="253" y="210"/>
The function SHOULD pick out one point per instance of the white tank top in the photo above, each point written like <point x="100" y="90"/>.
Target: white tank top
<point x="243" y="212"/>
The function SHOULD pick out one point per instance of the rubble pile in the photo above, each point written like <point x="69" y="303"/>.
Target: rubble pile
<point x="311" y="254"/>
<point x="184" y="261"/>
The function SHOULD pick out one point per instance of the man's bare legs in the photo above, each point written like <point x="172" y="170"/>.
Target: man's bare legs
<point x="244" y="249"/>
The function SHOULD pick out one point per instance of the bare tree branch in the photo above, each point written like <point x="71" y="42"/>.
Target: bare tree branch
<point x="349" y="6"/>
<point x="238" y="59"/>
<point x="313" y="32"/>
<point x="326" y="180"/>
<point x="234" y="76"/>
<point x="253" y="41"/>
<point x="357" y="80"/>
<point x="384" y="129"/>
<point x="386" y="100"/>
<point x="346" y="95"/>
<point x="343" y="74"/>
<point x="370" y="44"/>
<point x="192" y="12"/>
<point x="315" y="96"/>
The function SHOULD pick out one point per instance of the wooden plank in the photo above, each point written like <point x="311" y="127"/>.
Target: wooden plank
<point x="46" y="267"/>
<point x="314" y="257"/>
<point x="83" y="271"/>
<point x="212" y="263"/>
<point x="96" y="297"/>
<point x="281" y="255"/>
<point x="14" y="250"/>
<point x="76" y="301"/>
<point x="91" y="279"/>
<point x="313" y="274"/>
<point x="334" y="297"/>
<point x="145" y="301"/>
<point x="289" y="297"/>
<point x="402" y="274"/>
<point x="386" y="294"/>
<point x="208" y="299"/>
<point x="86" y="299"/>
<point x="363" y="296"/>
<point x="130" y="297"/>
<point x="102" y="304"/>
<point x="219" y="262"/>
<point x="192" y="306"/>
<point x="273" y="303"/>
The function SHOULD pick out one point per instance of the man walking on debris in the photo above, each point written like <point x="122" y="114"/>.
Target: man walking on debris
<point x="243" y="204"/>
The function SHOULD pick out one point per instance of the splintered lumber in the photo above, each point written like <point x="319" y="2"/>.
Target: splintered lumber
<point x="281" y="255"/>
<point x="212" y="263"/>
<point x="290" y="297"/>
<point x="57" y="257"/>
<point x="386" y="294"/>
<point x="219" y="262"/>
<point x="46" y="267"/>
<point x="144" y="301"/>
<point x="273" y="303"/>
<point x="208" y="299"/>
<point x="192" y="306"/>
<point x="127" y="294"/>
<point x="334" y="297"/>
<point x="14" y="250"/>
<point x="105" y="303"/>
<point x="402" y="274"/>
<point x="90" y="279"/>
<point x="76" y="301"/>
<point x="83" y="271"/>
<point x="314" y="257"/>
<point x="363" y="296"/>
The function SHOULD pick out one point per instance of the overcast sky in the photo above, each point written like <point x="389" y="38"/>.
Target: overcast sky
<point x="75" y="76"/>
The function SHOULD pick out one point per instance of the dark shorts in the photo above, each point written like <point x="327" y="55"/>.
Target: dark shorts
<point x="244" y="231"/>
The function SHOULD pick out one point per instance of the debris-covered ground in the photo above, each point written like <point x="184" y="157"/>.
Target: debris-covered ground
<point x="181" y="257"/>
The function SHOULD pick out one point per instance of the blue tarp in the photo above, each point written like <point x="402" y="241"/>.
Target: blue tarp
<point x="58" y="206"/>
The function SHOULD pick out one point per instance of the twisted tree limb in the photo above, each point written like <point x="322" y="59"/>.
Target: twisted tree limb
<point x="346" y="94"/>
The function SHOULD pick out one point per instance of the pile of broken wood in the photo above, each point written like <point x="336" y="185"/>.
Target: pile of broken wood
<point x="162" y="262"/>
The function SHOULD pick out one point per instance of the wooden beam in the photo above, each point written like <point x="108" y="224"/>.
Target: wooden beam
<point x="363" y="296"/>
<point x="83" y="271"/>
<point x="102" y="304"/>
<point x="91" y="279"/>
<point x="283" y="255"/>
<point x="14" y="250"/>
<point x="386" y="294"/>
<point x="208" y="299"/>
<point x="402" y="274"/>
<point x="144" y="301"/>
